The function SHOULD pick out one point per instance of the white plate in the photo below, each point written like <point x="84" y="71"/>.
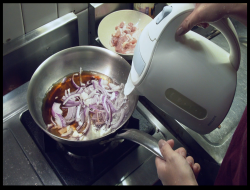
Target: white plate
<point x="108" y="24"/>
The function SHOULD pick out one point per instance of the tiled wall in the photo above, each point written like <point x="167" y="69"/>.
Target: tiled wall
<point x="21" y="18"/>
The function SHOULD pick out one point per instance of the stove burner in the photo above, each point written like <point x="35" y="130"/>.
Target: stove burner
<point x="83" y="166"/>
<point x="96" y="151"/>
<point x="86" y="161"/>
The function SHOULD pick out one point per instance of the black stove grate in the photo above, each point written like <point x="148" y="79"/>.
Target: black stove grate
<point x="74" y="169"/>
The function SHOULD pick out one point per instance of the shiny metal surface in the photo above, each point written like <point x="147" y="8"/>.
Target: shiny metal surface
<point x="12" y="102"/>
<point x="23" y="162"/>
<point x="67" y="61"/>
<point x="23" y="55"/>
<point x="14" y="158"/>
<point x="142" y="138"/>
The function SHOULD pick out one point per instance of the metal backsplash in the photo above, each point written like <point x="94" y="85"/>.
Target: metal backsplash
<point x="23" y="55"/>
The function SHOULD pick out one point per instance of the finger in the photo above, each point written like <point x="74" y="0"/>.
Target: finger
<point x="182" y="151"/>
<point x="159" y="163"/>
<point x="190" y="161"/>
<point x="165" y="148"/>
<point x="188" y="23"/>
<point x="171" y="143"/>
<point x="196" y="169"/>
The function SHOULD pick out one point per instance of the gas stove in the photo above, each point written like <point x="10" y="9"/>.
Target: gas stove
<point x="83" y="166"/>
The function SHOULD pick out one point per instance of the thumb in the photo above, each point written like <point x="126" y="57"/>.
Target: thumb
<point x="165" y="148"/>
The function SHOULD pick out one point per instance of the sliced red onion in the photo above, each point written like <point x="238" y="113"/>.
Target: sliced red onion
<point x="64" y="79"/>
<point x="104" y="115"/>
<point x="73" y="82"/>
<point x="119" y="102"/>
<point x="92" y="94"/>
<point x="97" y="108"/>
<point x="112" y="96"/>
<point x="60" y="120"/>
<point x="105" y="105"/>
<point x="78" y="91"/>
<point x="78" y="113"/>
<point x="52" y="121"/>
<point x="56" y="109"/>
<point x="122" y="113"/>
<point x="99" y="122"/>
<point x="82" y="118"/>
<point x="115" y="87"/>
<point x="90" y="101"/>
<point x="98" y="87"/>
<point x="104" y="102"/>
<point x="72" y="105"/>
<point x="94" y="116"/>
<point x="113" y="108"/>
<point x="103" y="83"/>
<point x="116" y="94"/>
<point x="71" y="113"/>
<point x="84" y="95"/>
<point x="103" y="99"/>
<point x="73" y="102"/>
<point x="76" y="135"/>
<point x="70" y="97"/>
<point x="87" y="119"/>
<point x="110" y="116"/>
<point x="50" y="125"/>
<point x="69" y="131"/>
<point x="80" y="124"/>
<point x="66" y="94"/>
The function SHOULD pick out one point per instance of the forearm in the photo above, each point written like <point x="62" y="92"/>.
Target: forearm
<point x="238" y="11"/>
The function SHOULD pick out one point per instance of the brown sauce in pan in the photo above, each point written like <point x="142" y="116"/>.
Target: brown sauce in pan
<point x="58" y="90"/>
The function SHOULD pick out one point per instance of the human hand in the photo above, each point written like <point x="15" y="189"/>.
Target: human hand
<point x="177" y="169"/>
<point x="204" y="13"/>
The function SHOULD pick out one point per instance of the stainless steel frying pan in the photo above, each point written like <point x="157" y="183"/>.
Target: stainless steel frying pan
<point x="90" y="58"/>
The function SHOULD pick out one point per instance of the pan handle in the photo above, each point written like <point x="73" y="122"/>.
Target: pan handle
<point x="141" y="138"/>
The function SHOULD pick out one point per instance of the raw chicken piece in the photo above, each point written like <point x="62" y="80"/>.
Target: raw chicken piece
<point x="125" y="37"/>
<point x="121" y="24"/>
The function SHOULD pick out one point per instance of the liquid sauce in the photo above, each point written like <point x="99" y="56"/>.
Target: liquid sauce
<point x="57" y="91"/>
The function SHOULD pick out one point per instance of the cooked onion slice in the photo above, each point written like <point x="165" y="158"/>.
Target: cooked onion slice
<point x="56" y="109"/>
<point x="122" y="113"/>
<point x="97" y="102"/>
<point x="69" y="131"/>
